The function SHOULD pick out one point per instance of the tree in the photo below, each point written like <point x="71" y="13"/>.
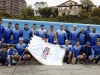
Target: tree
<point x="87" y="4"/>
<point x="28" y="12"/>
<point x="96" y="12"/>
<point x="45" y="12"/>
<point x="55" y="12"/>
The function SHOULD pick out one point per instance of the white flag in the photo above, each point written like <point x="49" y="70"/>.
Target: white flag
<point x="46" y="53"/>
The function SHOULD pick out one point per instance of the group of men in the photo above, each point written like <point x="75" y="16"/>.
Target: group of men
<point x="79" y="45"/>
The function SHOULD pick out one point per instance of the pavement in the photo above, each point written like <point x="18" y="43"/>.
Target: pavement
<point x="35" y="68"/>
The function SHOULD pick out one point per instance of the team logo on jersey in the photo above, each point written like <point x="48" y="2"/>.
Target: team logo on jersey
<point x="45" y="53"/>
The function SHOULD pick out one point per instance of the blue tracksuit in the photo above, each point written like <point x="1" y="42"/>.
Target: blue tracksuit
<point x="77" y="50"/>
<point x="35" y="32"/>
<point x="69" y="48"/>
<point x="12" y="52"/>
<point x="3" y="57"/>
<point x="20" y="48"/>
<point x="61" y="35"/>
<point x="82" y="38"/>
<point x="68" y="34"/>
<point x="16" y="35"/>
<point x="88" y="32"/>
<point x="93" y="38"/>
<point x="51" y="36"/>
<point x="96" y="49"/>
<point x="1" y="32"/>
<point x="7" y="35"/>
<point x="26" y="34"/>
<point x="42" y="33"/>
<point x="88" y="51"/>
<point x="74" y="36"/>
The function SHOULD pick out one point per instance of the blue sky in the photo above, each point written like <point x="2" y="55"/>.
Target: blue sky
<point x="56" y="2"/>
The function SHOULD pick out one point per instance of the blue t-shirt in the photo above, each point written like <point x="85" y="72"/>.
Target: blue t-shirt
<point x="1" y="32"/>
<point x="42" y="33"/>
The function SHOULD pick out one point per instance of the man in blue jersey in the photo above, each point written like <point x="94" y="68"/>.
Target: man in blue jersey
<point x="74" y="35"/>
<point x="82" y="37"/>
<point x="88" y="31"/>
<point x="51" y="35"/>
<point x="21" y="50"/>
<point x="16" y="34"/>
<point x="26" y="34"/>
<point x="93" y="36"/>
<point x="1" y="31"/>
<point x="7" y="34"/>
<point x="67" y="32"/>
<point x="42" y="32"/>
<point x="97" y="51"/>
<point x="61" y="36"/>
<point x="34" y="30"/>
<point x="77" y="52"/>
<point x="69" y="49"/>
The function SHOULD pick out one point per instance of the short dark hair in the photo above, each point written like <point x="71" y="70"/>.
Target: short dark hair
<point x="34" y="24"/>
<point x="0" y="19"/>
<point x="66" y="26"/>
<point x="5" y="46"/>
<point x="25" y="24"/>
<point x="51" y="26"/>
<point x="9" y="23"/>
<point x="11" y="45"/>
<point x="42" y="25"/>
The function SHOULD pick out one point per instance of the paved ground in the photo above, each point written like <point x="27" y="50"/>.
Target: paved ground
<point x="35" y="68"/>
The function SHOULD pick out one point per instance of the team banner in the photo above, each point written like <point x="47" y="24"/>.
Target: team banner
<point x="46" y="53"/>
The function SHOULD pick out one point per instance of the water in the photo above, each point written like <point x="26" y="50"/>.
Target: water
<point x="47" y="24"/>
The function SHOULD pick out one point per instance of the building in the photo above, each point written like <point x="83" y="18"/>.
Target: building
<point x="39" y="5"/>
<point x="12" y="6"/>
<point x="69" y="7"/>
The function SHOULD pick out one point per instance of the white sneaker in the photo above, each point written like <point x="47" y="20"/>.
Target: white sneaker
<point x="9" y="65"/>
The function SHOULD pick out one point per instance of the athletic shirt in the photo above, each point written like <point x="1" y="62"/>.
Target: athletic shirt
<point x="68" y="48"/>
<point x="20" y="48"/>
<point x="61" y="37"/>
<point x="34" y="32"/>
<point x="42" y="33"/>
<point x="51" y="36"/>
<point x="7" y="33"/>
<point x="1" y="32"/>
<point x="11" y="51"/>
<point x="97" y="50"/>
<point x="93" y="38"/>
<point x="76" y="50"/>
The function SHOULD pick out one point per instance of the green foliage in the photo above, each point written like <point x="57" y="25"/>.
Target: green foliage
<point x="96" y="12"/>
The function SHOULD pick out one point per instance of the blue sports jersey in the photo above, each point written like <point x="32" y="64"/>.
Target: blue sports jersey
<point x="16" y="35"/>
<point x="61" y="35"/>
<point x="12" y="52"/>
<point x="1" y="32"/>
<point x="69" y="48"/>
<point x="96" y="49"/>
<point x="88" y="32"/>
<point x="74" y="36"/>
<point x="7" y="35"/>
<point x="42" y="33"/>
<point x="93" y="38"/>
<point x="51" y="36"/>
<point x="35" y="32"/>
<point x="77" y="50"/>
<point x="20" y="48"/>
<point x="26" y="34"/>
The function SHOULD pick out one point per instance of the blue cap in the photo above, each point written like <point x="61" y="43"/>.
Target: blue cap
<point x="88" y="43"/>
<point x="42" y="25"/>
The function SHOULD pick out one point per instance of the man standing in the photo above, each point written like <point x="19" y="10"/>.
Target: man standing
<point x="51" y="35"/>
<point x="16" y="34"/>
<point x="26" y="34"/>
<point x="7" y="34"/>
<point x="67" y="32"/>
<point x="1" y="30"/>
<point x="93" y="36"/>
<point x="74" y="35"/>
<point x="88" y="31"/>
<point x="34" y="30"/>
<point x="61" y="35"/>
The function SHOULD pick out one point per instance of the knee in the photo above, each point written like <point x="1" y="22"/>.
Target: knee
<point x="27" y="57"/>
<point x="84" y="54"/>
<point x="16" y="57"/>
<point x="96" y="57"/>
<point x="80" y="57"/>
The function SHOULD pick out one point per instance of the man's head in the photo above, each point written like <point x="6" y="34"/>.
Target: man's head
<point x="5" y="47"/>
<point x="34" y="26"/>
<point x="94" y="30"/>
<point x="66" y="28"/>
<point x="0" y="21"/>
<point x="51" y="28"/>
<point x="88" y="27"/>
<point x="42" y="27"/>
<point x="16" y="26"/>
<point x="82" y="30"/>
<point x="98" y="43"/>
<point x="88" y="44"/>
<point x="21" y="40"/>
<point x="75" y="27"/>
<point x="66" y="42"/>
<point x="26" y="26"/>
<point x="61" y="27"/>
<point x="9" y="24"/>
<point x="11" y="46"/>
<point x="77" y="43"/>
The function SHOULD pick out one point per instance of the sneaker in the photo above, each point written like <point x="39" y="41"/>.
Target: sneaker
<point x="9" y="65"/>
<point x="67" y="62"/>
<point x="0" y="64"/>
<point x="82" y="62"/>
